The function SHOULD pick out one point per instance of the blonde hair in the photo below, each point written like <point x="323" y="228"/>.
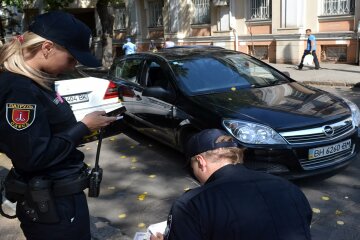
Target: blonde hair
<point x="12" y="57"/>
<point x="232" y="154"/>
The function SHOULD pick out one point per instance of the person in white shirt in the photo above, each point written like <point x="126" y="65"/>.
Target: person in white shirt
<point x="169" y="43"/>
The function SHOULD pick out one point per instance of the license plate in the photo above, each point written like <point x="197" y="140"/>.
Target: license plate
<point x="77" y="98"/>
<point x="329" y="150"/>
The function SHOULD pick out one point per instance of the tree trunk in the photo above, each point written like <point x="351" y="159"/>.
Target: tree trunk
<point x="107" y="22"/>
<point x="2" y="30"/>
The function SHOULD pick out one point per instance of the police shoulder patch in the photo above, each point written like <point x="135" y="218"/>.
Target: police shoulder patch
<point x="20" y="116"/>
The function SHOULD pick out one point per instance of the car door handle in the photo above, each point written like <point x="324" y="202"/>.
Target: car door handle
<point x="138" y="98"/>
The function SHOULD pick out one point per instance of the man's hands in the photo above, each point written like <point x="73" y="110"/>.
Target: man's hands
<point x="97" y="120"/>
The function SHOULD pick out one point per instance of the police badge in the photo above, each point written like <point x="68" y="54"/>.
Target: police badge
<point x="20" y="116"/>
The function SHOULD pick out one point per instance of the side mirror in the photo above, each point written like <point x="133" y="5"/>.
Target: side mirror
<point x="159" y="93"/>
<point x="286" y="73"/>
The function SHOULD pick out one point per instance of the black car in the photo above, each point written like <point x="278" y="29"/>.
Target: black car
<point x="288" y="128"/>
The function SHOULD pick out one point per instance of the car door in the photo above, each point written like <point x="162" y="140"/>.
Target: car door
<point x="157" y="112"/>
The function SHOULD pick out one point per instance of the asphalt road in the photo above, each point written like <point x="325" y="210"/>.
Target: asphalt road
<point x="143" y="177"/>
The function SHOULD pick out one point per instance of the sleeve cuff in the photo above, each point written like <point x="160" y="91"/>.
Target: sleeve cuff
<point x="77" y="132"/>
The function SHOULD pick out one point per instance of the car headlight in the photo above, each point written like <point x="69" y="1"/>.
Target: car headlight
<point x="355" y="112"/>
<point x="252" y="133"/>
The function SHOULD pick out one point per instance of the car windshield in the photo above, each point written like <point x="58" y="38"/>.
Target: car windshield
<point x="207" y="74"/>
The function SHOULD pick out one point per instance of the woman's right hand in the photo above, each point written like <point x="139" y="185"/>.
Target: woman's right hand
<point x="96" y="120"/>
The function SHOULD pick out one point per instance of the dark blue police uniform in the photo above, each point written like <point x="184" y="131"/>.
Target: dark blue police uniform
<point x="240" y="204"/>
<point x="39" y="133"/>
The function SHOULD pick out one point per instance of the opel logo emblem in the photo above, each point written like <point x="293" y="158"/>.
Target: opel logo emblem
<point x="329" y="131"/>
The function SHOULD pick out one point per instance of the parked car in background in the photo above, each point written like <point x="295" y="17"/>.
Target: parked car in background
<point x="86" y="93"/>
<point x="288" y="128"/>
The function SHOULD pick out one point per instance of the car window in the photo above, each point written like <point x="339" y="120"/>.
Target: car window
<point x="211" y="74"/>
<point x="127" y="69"/>
<point x="156" y="76"/>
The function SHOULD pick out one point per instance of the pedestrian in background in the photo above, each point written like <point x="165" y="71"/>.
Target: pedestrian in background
<point x="234" y="202"/>
<point x="39" y="132"/>
<point x="152" y="46"/>
<point x="168" y="43"/>
<point x="310" y="49"/>
<point x="129" y="47"/>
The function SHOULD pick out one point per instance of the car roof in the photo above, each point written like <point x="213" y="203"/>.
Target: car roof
<point x="185" y="52"/>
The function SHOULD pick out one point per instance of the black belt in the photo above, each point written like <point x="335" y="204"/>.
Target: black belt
<point x="59" y="188"/>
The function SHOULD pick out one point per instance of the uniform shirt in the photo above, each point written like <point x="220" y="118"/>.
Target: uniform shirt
<point x="311" y="39"/>
<point x="129" y="48"/>
<point x="169" y="44"/>
<point x="38" y="130"/>
<point x="240" y="204"/>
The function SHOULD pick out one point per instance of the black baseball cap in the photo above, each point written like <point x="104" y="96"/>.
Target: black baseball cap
<point x="67" y="31"/>
<point x="205" y="141"/>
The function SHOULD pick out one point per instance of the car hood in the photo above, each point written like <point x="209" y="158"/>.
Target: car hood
<point x="286" y="106"/>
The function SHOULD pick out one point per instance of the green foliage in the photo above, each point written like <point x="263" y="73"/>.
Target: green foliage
<point x="57" y="4"/>
<point x="18" y="3"/>
<point x="49" y="4"/>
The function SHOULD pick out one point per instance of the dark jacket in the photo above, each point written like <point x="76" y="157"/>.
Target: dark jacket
<point x="38" y="130"/>
<point x="241" y="204"/>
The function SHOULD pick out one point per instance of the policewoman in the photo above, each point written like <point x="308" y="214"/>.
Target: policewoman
<point x="38" y="130"/>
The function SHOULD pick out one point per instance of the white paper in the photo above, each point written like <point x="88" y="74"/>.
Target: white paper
<point x="157" y="227"/>
<point x="141" y="236"/>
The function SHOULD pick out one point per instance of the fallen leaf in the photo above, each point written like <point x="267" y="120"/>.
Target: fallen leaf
<point x="123" y="156"/>
<point x="111" y="188"/>
<point x="186" y="189"/>
<point x="152" y="176"/>
<point x="338" y="212"/>
<point x="141" y="225"/>
<point x="340" y="222"/>
<point x="233" y="89"/>
<point x="325" y="198"/>
<point x="112" y="139"/>
<point x="123" y="215"/>
<point x="141" y="197"/>
<point x="316" y="210"/>
<point x="88" y="148"/>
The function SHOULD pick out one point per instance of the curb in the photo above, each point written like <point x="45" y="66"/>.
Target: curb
<point x="332" y="84"/>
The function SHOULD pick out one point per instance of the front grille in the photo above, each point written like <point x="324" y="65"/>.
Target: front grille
<point x="327" y="160"/>
<point x="314" y="135"/>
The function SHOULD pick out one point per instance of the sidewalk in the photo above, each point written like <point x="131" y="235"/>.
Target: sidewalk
<point x="330" y="74"/>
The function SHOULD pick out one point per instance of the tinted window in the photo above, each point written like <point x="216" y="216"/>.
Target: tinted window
<point x="208" y="74"/>
<point x="127" y="69"/>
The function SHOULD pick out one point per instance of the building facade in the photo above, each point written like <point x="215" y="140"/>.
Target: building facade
<point x="272" y="30"/>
